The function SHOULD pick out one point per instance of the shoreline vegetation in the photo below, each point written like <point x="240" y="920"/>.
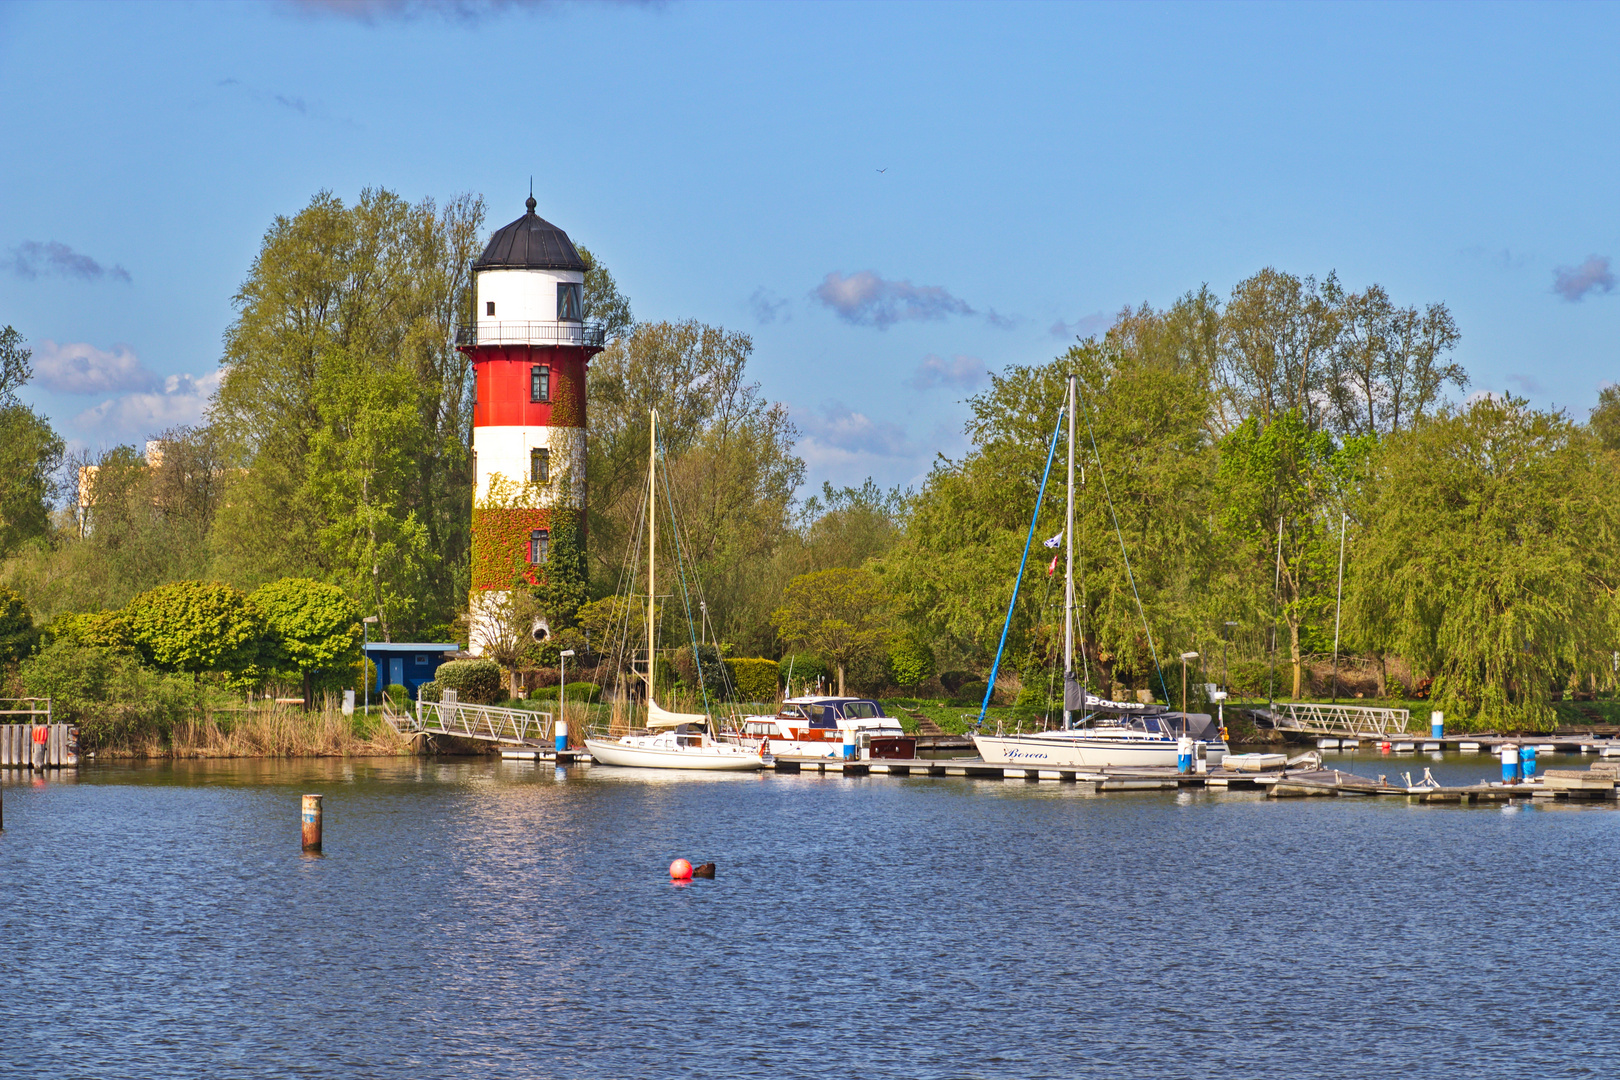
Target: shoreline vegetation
<point x="1295" y="493"/>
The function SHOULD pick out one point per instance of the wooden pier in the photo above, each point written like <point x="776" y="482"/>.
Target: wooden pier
<point x="1302" y="779"/>
<point x="60" y="743"/>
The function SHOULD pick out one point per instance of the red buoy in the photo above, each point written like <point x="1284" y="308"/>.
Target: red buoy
<point x="680" y="870"/>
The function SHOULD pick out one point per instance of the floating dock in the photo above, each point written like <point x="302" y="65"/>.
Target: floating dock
<point x="1304" y="777"/>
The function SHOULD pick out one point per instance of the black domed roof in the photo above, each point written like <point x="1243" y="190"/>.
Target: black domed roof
<point x="530" y="243"/>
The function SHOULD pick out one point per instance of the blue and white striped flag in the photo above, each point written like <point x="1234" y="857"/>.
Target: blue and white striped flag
<point x="1055" y="541"/>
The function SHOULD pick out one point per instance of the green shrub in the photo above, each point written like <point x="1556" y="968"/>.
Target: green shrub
<point x="1249" y="677"/>
<point x="688" y="663"/>
<point x="476" y="682"/>
<point x="954" y="680"/>
<point x="107" y="693"/>
<point x="911" y="661"/>
<point x="804" y="669"/>
<point x="397" y="694"/>
<point x="754" y="679"/>
<point x="18" y="637"/>
<point x="970" y="693"/>
<point x="430" y="691"/>
<point x="586" y="693"/>
<point x="1032" y="697"/>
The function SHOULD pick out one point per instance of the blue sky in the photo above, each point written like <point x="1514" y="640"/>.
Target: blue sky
<point x="1041" y="165"/>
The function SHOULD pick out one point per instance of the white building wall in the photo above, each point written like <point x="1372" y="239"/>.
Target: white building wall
<point x="520" y="296"/>
<point x="505" y="451"/>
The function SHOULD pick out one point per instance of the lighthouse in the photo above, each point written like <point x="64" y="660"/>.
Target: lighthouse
<point x="529" y="346"/>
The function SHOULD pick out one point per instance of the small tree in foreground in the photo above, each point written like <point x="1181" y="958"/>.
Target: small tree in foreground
<point x="312" y="627"/>
<point x="840" y="615"/>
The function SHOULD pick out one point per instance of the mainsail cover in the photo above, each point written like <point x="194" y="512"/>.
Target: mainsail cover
<point x="658" y="717"/>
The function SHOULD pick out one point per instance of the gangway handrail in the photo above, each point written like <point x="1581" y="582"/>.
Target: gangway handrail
<point x="1365" y="720"/>
<point x="490" y="723"/>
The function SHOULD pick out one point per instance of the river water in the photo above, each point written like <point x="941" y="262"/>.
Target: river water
<point x="473" y="918"/>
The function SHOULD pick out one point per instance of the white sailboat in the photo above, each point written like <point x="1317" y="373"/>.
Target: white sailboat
<point x="1110" y="734"/>
<point x="672" y="740"/>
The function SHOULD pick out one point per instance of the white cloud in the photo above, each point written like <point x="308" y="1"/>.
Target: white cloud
<point x="866" y="299"/>
<point x="32" y="258"/>
<point x="1575" y="282"/>
<point x="837" y="434"/>
<point x="182" y="399"/>
<point x="80" y="368"/>
<point x="1083" y="327"/>
<point x="964" y="372"/>
<point x="767" y="307"/>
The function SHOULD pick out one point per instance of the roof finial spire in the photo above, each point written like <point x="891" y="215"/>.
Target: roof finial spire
<point x="530" y="203"/>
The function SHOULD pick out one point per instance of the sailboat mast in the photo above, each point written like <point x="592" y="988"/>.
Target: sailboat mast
<point x="1068" y="572"/>
<point x="652" y="546"/>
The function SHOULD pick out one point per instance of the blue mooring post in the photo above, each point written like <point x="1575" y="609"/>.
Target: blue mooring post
<point x="1184" y="755"/>
<point x="562" y="736"/>
<point x="1510" y="763"/>
<point x="1437" y="725"/>
<point x="1527" y="763"/>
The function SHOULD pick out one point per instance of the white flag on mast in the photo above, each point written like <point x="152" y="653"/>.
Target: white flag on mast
<point x="1054" y="542"/>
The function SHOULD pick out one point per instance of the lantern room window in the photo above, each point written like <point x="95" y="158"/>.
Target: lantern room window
<point x="539" y="546"/>
<point x="539" y="465"/>
<point x="540" y="383"/>
<point x="570" y="301"/>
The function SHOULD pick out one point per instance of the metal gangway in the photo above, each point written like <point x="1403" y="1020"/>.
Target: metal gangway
<point x="514" y="727"/>
<point x="1364" y="721"/>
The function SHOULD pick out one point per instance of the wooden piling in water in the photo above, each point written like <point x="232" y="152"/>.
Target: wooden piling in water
<point x="311" y="818"/>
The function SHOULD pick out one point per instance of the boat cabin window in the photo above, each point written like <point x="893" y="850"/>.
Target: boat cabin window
<point x="861" y="710"/>
<point x="822" y="716"/>
<point x="793" y="711"/>
<point x="1150" y="725"/>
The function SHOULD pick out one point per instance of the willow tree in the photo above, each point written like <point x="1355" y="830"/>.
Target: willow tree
<point x="348" y="410"/>
<point x="1490" y="556"/>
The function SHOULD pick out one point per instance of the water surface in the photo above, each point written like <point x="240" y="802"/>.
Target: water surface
<point x="486" y="919"/>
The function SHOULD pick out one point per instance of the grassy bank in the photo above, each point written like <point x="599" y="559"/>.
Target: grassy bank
<point x="266" y="730"/>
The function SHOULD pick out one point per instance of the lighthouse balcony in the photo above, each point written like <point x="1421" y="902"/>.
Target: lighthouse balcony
<point x="489" y="332"/>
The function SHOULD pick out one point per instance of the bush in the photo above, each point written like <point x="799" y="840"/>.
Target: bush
<point x="688" y="662"/>
<point x="1249" y="677"/>
<point x="954" y="680"/>
<point x="754" y="679"/>
<point x="430" y="691"/>
<point x="18" y="637"/>
<point x="397" y="694"/>
<point x="476" y="682"/>
<point x="911" y="661"/>
<point x="1031" y="697"/>
<point x="970" y="693"/>
<point x="804" y="669"/>
<point x="587" y="693"/>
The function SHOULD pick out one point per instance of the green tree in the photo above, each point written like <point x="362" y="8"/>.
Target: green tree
<point x="30" y="452"/>
<point x="842" y="615"/>
<point x="196" y="626"/>
<point x="1605" y="419"/>
<point x="18" y="637"/>
<point x="604" y="303"/>
<point x="360" y="301"/>
<point x="1488" y="558"/>
<point x="1277" y="341"/>
<point x="1388" y="367"/>
<point x="311" y="627"/>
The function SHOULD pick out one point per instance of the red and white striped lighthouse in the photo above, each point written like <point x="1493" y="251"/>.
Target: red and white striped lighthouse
<point x="529" y="346"/>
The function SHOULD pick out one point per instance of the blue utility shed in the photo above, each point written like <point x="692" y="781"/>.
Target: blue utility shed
<point x="408" y="663"/>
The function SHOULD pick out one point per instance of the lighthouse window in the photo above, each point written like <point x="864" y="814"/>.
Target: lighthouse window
<point x="540" y="466"/>
<point x="539" y="546"/>
<point x="489" y="307"/>
<point x="540" y="383"/>
<point x="570" y="301"/>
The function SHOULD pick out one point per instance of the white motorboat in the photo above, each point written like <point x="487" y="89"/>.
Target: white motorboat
<point x="829" y="727"/>
<point x="1104" y="734"/>
<point x="672" y="740"/>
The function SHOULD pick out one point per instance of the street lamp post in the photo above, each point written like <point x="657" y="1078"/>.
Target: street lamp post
<point x="365" y="672"/>
<point x="1186" y="656"/>
<point x="1226" y="683"/>
<point x="562" y="689"/>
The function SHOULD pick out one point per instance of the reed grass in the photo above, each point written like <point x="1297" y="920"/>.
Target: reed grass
<point x="264" y="731"/>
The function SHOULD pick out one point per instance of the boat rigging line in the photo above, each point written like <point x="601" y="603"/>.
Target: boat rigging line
<point x="1034" y="520"/>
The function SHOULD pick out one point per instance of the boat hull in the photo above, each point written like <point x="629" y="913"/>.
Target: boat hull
<point x="726" y="759"/>
<point x="1082" y="753"/>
